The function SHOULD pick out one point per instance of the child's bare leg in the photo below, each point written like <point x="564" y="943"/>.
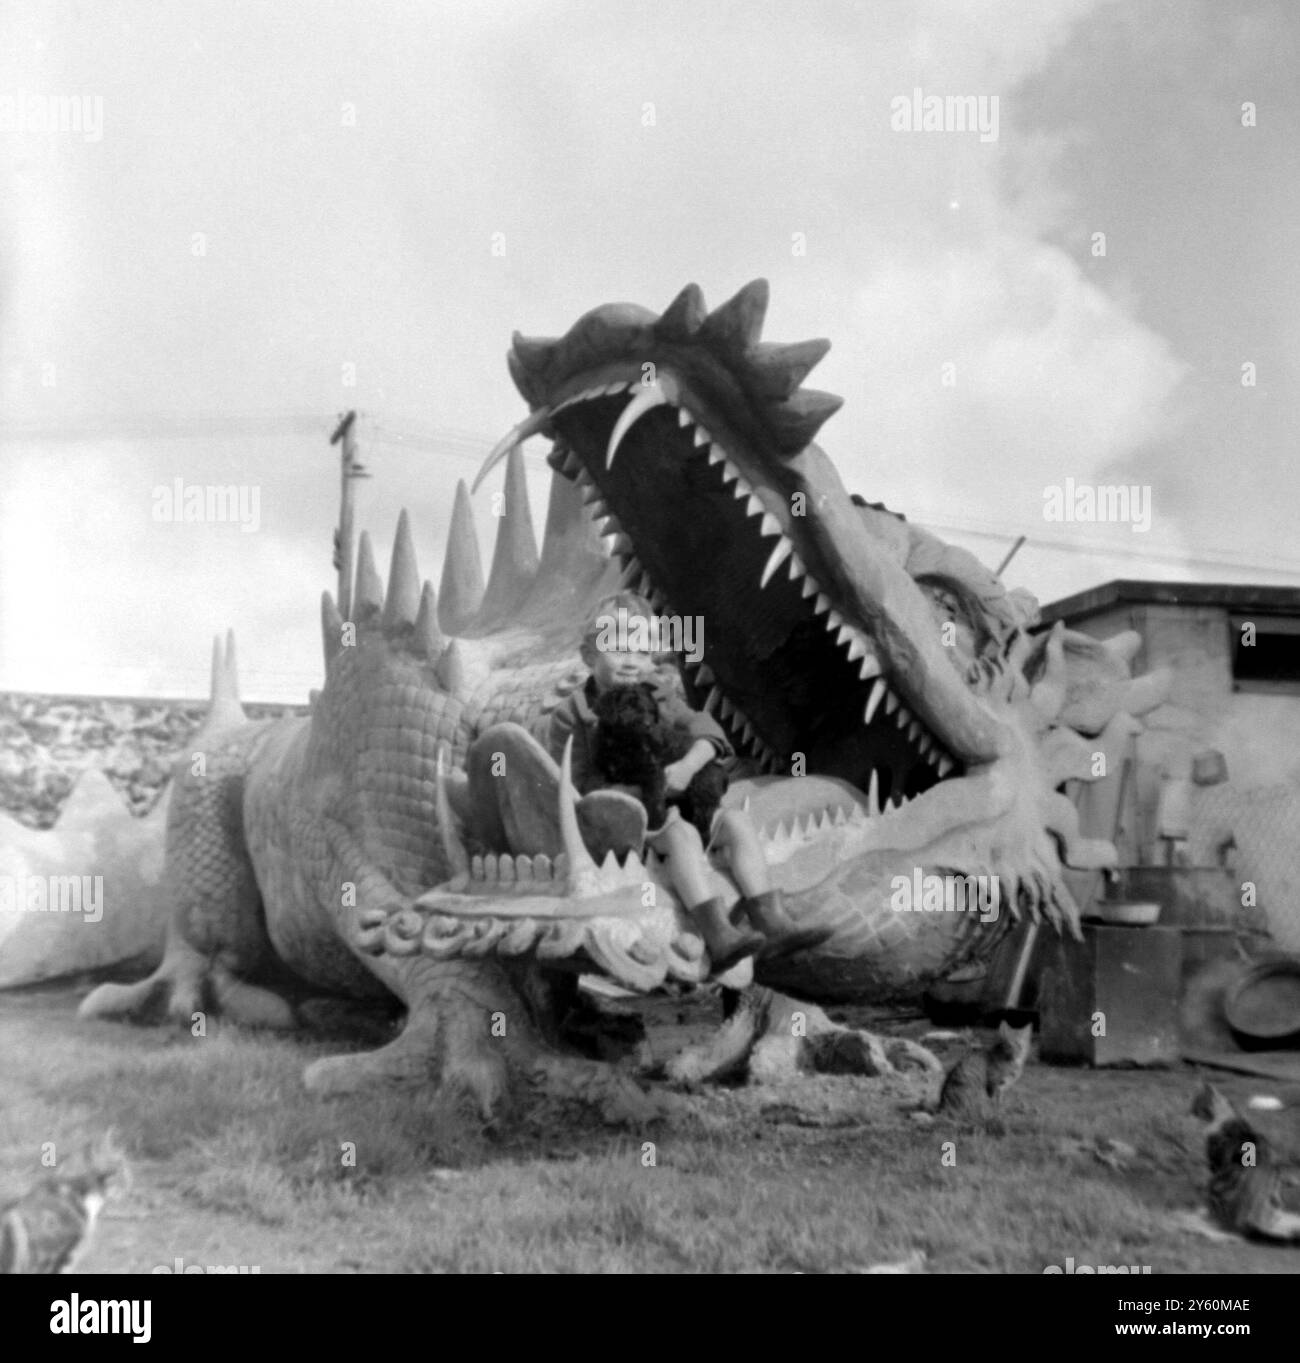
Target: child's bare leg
<point x="688" y="871"/>
<point x="736" y="834"/>
<point x="687" y="868"/>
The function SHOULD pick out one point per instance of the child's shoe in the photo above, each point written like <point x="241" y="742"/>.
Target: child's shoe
<point x="727" y="942"/>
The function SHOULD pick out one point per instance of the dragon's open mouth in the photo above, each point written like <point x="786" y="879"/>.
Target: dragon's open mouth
<point x="692" y="441"/>
<point x="799" y="687"/>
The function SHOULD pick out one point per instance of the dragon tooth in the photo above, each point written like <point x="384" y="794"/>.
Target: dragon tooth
<point x="476" y="866"/>
<point x="823" y="603"/>
<point x="811" y="587"/>
<point x="868" y="667"/>
<point x="622" y="544"/>
<point x="704" y="677"/>
<point x="857" y="646"/>
<point x="873" y="794"/>
<point x="754" y="505"/>
<point x="743" y="488"/>
<point x="631" y="572"/>
<point x="873" y="700"/>
<point x="834" y="620"/>
<point x="702" y="437"/>
<point x="728" y="707"/>
<point x="891" y="701"/>
<point x="683" y="417"/>
<point x="648" y="397"/>
<point x="797" y="570"/>
<point x="523" y="869"/>
<point x="926" y="745"/>
<point x="581" y="870"/>
<point x="716" y="454"/>
<point x="844" y="635"/>
<point x="903" y="717"/>
<point x="490" y="871"/>
<point x="714" y="697"/>
<point x="945" y="765"/>
<point x="914" y="730"/>
<point x="729" y="470"/>
<point x="778" y="556"/>
<point x="769" y="526"/>
<point x="506" y="869"/>
<point x="531" y="425"/>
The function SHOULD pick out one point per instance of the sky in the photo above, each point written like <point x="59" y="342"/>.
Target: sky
<point x="273" y="214"/>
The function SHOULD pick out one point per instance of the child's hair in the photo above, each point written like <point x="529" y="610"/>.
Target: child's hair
<point x="608" y="611"/>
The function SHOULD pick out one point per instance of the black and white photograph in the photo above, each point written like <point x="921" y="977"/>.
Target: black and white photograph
<point x="650" y="639"/>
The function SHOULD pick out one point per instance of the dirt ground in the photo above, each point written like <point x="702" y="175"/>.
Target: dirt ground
<point x="234" y="1164"/>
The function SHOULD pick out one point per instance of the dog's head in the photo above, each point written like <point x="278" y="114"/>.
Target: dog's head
<point x="628" y="709"/>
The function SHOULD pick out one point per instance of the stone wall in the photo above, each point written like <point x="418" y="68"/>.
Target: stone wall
<point x="46" y="742"/>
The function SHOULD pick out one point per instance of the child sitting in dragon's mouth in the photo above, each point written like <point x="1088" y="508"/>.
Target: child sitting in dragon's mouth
<point x="727" y="939"/>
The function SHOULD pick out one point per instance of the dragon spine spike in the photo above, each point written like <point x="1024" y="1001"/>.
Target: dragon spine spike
<point x="683" y="317"/>
<point x="780" y="369"/>
<point x="403" y="601"/>
<point x="583" y="874"/>
<point x="428" y="637"/>
<point x="224" y="707"/>
<point x="798" y="420"/>
<point x="566" y="545"/>
<point x="451" y="670"/>
<point x="331" y="628"/>
<point x="737" y="324"/>
<point x="460" y="594"/>
<point x="368" y="595"/>
<point x="514" y="559"/>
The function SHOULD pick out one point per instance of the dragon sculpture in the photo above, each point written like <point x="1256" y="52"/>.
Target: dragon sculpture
<point x="895" y="709"/>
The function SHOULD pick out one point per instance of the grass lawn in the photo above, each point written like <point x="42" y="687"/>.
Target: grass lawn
<point x="235" y="1164"/>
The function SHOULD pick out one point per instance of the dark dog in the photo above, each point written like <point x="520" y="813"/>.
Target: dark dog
<point x="634" y="745"/>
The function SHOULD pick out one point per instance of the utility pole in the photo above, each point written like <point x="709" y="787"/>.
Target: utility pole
<point x="350" y="470"/>
<point x="1015" y="549"/>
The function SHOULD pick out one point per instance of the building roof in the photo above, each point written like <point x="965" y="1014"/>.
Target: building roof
<point x="1134" y="591"/>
